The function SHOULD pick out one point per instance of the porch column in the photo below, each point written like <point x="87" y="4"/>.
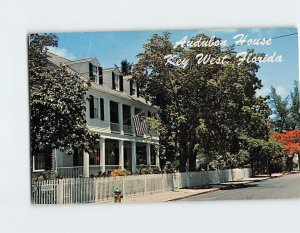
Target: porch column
<point x="86" y="164"/>
<point x="148" y="155"/>
<point x="102" y="154"/>
<point x="121" y="154"/>
<point x="132" y="113"/>
<point x="120" y="113"/>
<point x="133" y="156"/>
<point x="54" y="161"/>
<point x="107" y="111"/>
<point x="157" y="158"/>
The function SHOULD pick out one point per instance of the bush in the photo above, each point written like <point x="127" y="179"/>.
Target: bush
<point x="45" y="175"/>
<point x="119" y="172"/>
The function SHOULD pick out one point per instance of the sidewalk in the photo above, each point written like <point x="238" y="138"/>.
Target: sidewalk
<point x="188" y="192"/>
<point x="166" y="196"/>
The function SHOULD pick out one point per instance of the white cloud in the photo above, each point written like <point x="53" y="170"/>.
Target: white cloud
<point x="280" y="90"/>
<point x="263" y="92"/>
<point x="62" y="52"/>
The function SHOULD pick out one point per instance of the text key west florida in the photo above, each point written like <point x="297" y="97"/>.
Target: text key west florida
<point x="156" y="116"/>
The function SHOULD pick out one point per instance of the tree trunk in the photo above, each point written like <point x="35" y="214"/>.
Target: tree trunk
<point x="192" y="160"/>
<point x="183" y="158"/>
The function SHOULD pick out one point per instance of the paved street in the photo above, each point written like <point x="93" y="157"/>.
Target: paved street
<point x="275" y="188"/>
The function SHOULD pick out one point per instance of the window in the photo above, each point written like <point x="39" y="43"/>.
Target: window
<point x="100" y="75"/>
<point x="132" y="87"/>
<point x="117" y="82"/>
<point x="102" y="109"/>
<point x="96" y="108"/>
<point x="39" y="162"/>
<point x="93" y="72"/>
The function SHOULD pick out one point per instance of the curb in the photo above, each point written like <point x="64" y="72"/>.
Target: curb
<point x="192" y="195"/>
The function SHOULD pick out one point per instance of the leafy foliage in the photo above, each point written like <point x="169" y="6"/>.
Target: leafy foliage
<point x="265" y="155"/>
<point x="290" y="140"/>
<point x="57" y="103"/>
<point x="202" y="107"/>
<point x="286" y="111"/>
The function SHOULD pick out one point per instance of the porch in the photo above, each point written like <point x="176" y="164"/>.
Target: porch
<point x="111" y="154"/>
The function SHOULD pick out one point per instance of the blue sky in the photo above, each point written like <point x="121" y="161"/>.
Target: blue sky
<point x="112" y="47"/>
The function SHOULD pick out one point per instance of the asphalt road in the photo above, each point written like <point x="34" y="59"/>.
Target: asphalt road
<point x="284" y="187"/>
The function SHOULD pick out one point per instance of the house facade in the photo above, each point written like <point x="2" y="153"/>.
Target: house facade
<point x="113" y="111"/>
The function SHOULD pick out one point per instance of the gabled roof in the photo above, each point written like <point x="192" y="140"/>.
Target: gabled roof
<point x="57" y="60"/>
<point x="121" y="94"/>
<point x="81" y="60"/>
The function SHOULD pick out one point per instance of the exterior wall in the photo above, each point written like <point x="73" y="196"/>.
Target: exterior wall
<point x="59" y="158"/>
<point x="107" y="76"/>
<point x="127" y="85"/>
<point x="97" y="125"/>
<point x="83" y="67"/>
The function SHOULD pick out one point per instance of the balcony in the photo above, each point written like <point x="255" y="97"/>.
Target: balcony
<point x="115" y="127"/>
<point x="128" y="129"/>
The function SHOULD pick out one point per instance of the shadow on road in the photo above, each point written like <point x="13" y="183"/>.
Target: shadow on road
<point x="226" y="186"/>
<point x="237" y="186"/>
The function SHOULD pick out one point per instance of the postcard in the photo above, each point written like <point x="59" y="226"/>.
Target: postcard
<point x="159" y="116"/>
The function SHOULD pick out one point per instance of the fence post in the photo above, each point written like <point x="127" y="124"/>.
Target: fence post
<point x="123" y="186"/>
<point x="145" y="185"/>
<point x="59" y="192"/>
<point x="96" y="189"/>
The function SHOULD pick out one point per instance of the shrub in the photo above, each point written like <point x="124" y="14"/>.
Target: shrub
<point x="119" y="172"/>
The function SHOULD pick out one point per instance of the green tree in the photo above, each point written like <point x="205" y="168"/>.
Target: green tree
<point x="295" y="106"/>
<point x="265" y="155"/>
<point x="57" y="103"/>
<point x="126" y="67"/>
<point x="203" y="108"/>
<point x="280" y="110"/>
<point x="286" y="111"/>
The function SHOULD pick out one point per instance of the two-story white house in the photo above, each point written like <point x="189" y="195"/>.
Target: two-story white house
<point x="110" y="109"/>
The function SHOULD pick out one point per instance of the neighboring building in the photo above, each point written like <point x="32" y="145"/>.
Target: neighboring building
<point x="110" y="109"/>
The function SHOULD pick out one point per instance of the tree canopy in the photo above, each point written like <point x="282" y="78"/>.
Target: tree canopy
<point x="286" y="110"/>
<point x="290" y="140"/>
<point x="202" y="108"/>
<point x="57" y="103"/>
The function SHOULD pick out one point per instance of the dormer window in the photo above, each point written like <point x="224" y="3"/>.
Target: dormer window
<point x="93" y="72"/>
<point x="132" y="87"/>
<point x="100" y="75"/>
<point x="117" y="82"/>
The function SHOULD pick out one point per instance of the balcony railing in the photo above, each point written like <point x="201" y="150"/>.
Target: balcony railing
<point x="76" y="172"/>
<point x="111" y="167"/>
<point x="95" y="169"/>
<point x="115" y="127"/>
<point x="128" y="129"/>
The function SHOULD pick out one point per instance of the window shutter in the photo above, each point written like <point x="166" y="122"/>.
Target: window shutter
<point x="102" y="109"/>
<point x="137" y="89"/>
<point x="92" y="115"/>
<point x="121" y="82"/>
<point x="100" y="73"/>
<point x="130" y="87"/>
<point x="113" y="81"/>
<point x="91" y="70"/>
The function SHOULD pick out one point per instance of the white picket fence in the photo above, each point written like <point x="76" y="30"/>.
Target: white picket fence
<point x="91" y="190"/>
